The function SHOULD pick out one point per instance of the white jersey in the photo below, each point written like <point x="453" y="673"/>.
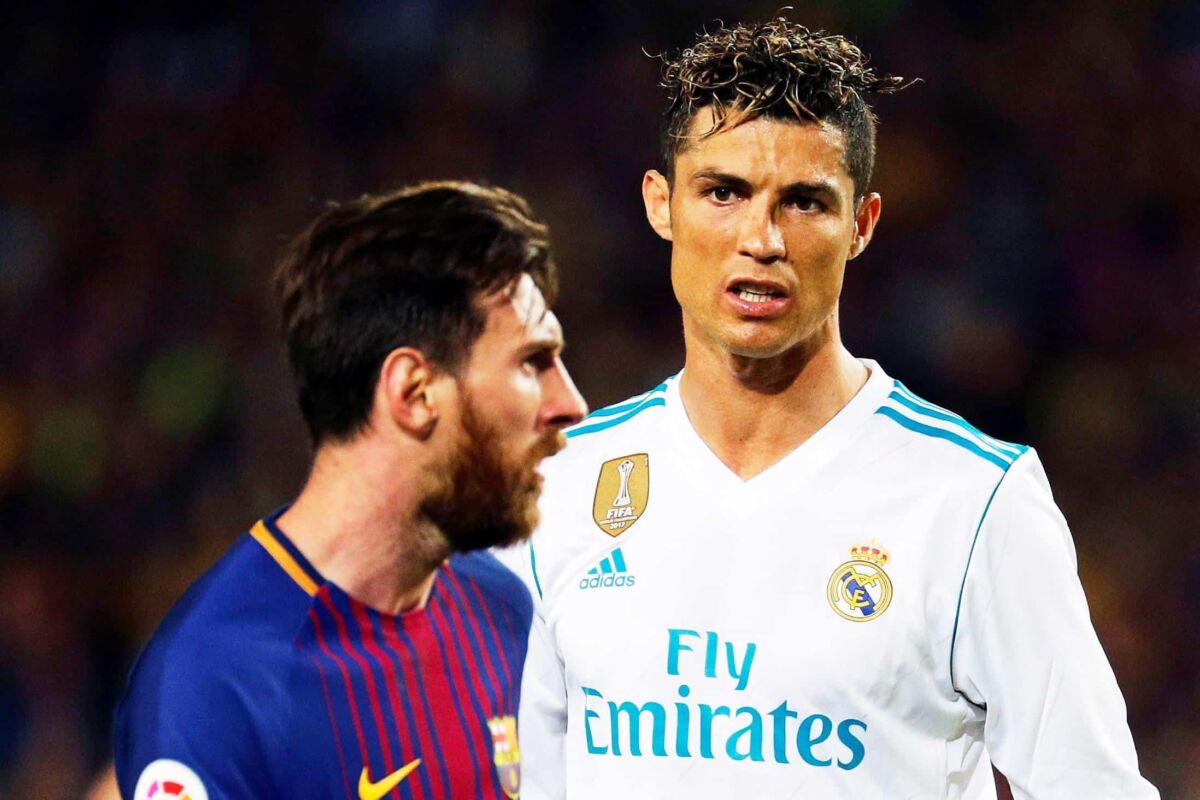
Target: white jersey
<point x="886" y="612"/>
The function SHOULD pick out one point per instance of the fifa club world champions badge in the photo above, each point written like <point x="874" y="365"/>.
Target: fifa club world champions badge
<point x="859" y="590"/>
<point x="506" y="754"/>
<point x="622" y="492"/>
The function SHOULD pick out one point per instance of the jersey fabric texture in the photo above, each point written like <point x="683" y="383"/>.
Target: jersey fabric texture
<point x="884" y="613"/>
<point x="266" y="680"/>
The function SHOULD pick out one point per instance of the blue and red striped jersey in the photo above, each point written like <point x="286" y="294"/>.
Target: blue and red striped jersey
<point x="266" y="680"/>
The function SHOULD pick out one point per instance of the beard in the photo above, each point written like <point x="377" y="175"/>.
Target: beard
<point x="489" y="498"/>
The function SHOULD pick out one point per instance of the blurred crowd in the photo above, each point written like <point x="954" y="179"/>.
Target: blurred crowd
<point x="1037" y="268"/>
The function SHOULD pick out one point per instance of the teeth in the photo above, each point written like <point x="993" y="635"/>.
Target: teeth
<point x="752" y="296"/>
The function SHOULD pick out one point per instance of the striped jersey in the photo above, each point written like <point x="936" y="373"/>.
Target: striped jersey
<point x="886" y="612"/>
<point x="266" y="680"/>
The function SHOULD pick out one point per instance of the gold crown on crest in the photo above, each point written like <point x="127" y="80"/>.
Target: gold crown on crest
<point x="870" y="552"/>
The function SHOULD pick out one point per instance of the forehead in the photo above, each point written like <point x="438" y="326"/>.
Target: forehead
<point x="517" y="314"/>
<point x="761" y="149"/>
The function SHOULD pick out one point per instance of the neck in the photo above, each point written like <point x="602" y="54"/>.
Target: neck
<point x="362" y="529"/>
<point x="751" y="412"/>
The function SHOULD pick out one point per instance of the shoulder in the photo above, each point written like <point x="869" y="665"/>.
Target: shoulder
<point x="935" y="442"/>
<point x="1023" y="521"/>
<point x="632" y="415"/>
<point x="198" y="690"/>
<point x="596" y="447"/>
<point x="493" y="583"/>
<point x="242" y="609"/>
<point x="993" y="486"/>
<point x="610" y="434"/>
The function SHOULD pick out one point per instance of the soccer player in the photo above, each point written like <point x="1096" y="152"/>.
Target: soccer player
<point x="360" y="643"/>
<point x="781" y="573"/>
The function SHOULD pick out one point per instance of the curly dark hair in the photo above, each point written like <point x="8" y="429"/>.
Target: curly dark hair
<point x="777" y="69"/>
<point x="399" y="269"/>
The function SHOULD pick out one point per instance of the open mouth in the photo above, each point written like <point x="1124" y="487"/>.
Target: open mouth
<point x="756" y="295"/>
<point x="756" y="291"/>
<point x="756" y="299"/>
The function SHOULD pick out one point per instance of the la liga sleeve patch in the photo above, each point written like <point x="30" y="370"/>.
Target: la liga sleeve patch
<point x="167" y="779"/>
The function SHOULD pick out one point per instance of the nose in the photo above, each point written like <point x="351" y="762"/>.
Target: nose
<point x="564" y="405"/>
<point x="760" y="237"/>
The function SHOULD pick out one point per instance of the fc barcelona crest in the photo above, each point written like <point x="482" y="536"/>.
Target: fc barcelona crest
<point x="506" y="754"/>
<point x="622" y="492"/>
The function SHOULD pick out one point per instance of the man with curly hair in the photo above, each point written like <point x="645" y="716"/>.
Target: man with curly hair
<point x="780" y="573"/>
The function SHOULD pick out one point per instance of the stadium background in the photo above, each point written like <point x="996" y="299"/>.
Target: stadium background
<point x="1036" y="268"/>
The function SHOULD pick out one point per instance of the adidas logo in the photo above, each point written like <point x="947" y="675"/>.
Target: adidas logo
<point x="610" y="572"/>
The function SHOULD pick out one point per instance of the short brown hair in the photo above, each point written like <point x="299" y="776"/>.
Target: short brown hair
<point x="399" y="269"/>
<point x="777" y="69"/>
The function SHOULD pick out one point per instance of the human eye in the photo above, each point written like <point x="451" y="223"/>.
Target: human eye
<point x="539" y="360"/>
<point x="721" y="195"/>
<point x="806" y="204"/>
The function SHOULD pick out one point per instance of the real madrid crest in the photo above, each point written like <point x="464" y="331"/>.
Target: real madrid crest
<point x="859" y="590"/>
<point x="622" y="492"/>
<point x="506" y="755"/>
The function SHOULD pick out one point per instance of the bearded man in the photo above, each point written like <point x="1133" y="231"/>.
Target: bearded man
<point x="360" y="642"/>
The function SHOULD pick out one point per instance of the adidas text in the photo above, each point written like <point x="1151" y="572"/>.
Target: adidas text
<point x="606" y="581"/>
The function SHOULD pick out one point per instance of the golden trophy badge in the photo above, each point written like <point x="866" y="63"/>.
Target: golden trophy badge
<point x="622" y="492"/>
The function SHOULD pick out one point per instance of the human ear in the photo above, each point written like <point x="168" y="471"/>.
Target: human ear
<point x="403" y="391"/>
<point x="865" y="219"/>
<point x="656" y="194"/>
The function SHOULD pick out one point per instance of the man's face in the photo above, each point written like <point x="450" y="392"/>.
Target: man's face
<point x="516" y="397"/>
<point x="762" y="217"/>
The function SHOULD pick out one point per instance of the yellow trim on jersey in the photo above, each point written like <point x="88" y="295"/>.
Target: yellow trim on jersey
<point x="283" y="557"/>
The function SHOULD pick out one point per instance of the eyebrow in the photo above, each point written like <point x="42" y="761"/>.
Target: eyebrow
<point x="543" y="344"/>
<point x="723" y="178"/>
<point x="743" y="185"/>
<point x="545" y="336"/>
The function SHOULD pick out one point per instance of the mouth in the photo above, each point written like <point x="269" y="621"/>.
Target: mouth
<point x="756" y="291"/>
<point x="757" y="298"/>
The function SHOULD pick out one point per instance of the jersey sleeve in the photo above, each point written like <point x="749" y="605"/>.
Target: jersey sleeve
<point x="1024" y="648"/>
<point x="190" y="726"/>
<point x="542" y="717"/>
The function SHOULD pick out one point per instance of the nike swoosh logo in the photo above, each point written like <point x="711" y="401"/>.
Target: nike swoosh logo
<point x="374" y="791"/>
